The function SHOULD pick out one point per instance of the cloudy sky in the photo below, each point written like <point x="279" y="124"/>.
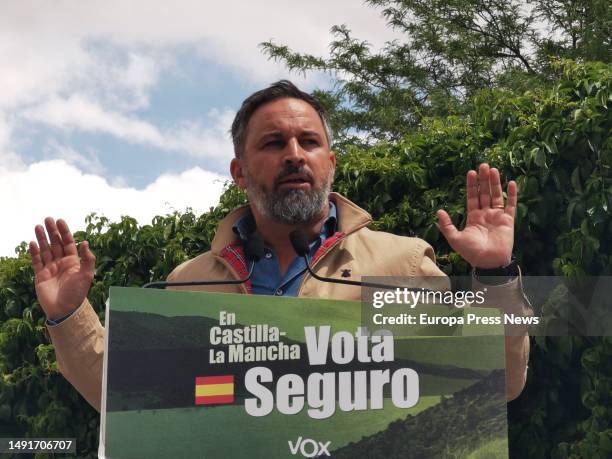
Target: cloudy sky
<point x="123" y="108"/>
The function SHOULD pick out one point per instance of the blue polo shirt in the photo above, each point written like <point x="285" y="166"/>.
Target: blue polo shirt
<point x="266" y="278"/>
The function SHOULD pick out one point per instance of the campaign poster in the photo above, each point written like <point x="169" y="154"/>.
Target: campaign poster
<point x="210" y="375"/>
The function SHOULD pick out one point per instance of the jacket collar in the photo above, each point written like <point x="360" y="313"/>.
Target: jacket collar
<point x="351" y="217"/>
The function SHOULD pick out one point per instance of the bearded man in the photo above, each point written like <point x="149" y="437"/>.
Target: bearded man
<point x="284" y="162"/>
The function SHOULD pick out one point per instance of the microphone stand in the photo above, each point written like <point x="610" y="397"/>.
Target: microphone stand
<point x="163" y="284"/>
<point x="300" y="245"/>
<point x="350" y="282"/>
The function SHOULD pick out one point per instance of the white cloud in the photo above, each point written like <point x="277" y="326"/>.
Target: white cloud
<point x="119" y="182"/>
<point x="92" y="65"/>
<point x="87" y="162"/>
<point x="58" y="189"/>
<point x="120" y="77"/>
<point x="78" y="112"/>
<point x="138" y="77"/>
<point x="10" y="161"/>
<point x="208" y="139"/>
<point x="5" y="133"/>
<point x="47" y="48"/>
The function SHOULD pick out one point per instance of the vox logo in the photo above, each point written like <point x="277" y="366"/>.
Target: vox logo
<point x="309" y="447"/>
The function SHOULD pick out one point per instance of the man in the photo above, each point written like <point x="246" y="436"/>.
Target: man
<point x="283" y="160"/>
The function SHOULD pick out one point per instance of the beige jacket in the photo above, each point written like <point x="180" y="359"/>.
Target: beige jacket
<point x="79" y="340"/>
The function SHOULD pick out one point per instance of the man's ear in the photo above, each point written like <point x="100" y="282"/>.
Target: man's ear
<point x="332" y="160"/>
<point x="237" y="172"/>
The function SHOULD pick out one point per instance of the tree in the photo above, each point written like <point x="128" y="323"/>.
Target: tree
<point x="583" y="29"/>
<point x="449" y="50"/>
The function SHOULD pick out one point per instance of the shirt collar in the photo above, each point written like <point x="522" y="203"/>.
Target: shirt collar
<point x="247" y="221"/>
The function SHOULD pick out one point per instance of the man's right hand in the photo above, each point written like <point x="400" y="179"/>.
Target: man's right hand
<point x="62" y="279"/>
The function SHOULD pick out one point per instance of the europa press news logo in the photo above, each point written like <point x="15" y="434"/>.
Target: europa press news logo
<point x="219" y="390"/>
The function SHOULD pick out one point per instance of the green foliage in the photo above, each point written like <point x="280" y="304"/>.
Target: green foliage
<point x="35" y="400"/>
<point x="556" y="144"/>
<point x="585" y="29"/>
<point x="469" y="423"/>
<point x="445" y="52"/>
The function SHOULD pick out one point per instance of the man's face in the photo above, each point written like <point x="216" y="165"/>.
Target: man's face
<point x="286" y="167"/>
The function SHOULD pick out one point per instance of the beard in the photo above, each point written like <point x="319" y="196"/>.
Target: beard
<point x="291" y="207"/>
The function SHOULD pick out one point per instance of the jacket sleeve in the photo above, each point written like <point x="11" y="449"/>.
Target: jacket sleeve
<point x="79" y="350"/>
<point x="510" y="299"/>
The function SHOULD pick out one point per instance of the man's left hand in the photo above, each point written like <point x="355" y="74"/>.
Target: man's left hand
<point x="487" y="239"/>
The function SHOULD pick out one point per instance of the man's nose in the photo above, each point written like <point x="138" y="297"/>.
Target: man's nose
<point x="294" y="153"/>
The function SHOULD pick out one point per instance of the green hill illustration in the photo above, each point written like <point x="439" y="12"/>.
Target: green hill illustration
<point x="472" y="419"/>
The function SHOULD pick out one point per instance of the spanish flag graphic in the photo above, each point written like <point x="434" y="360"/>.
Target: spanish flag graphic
<point x="214" y="390"/>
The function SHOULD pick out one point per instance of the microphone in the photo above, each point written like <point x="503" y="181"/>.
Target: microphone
<point x="254" y="247"/>
<point x="253" y="251"/>
<point x="300" y="245"/>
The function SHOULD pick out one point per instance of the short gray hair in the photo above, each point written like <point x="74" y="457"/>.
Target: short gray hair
<point x="280" y="90"/>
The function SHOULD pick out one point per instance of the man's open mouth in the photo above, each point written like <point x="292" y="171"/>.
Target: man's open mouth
<point x="295" y="179"/>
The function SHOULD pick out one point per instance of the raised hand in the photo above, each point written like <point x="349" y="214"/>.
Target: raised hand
<point x="62" y="279"/>
<point x="488" y="237"/>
